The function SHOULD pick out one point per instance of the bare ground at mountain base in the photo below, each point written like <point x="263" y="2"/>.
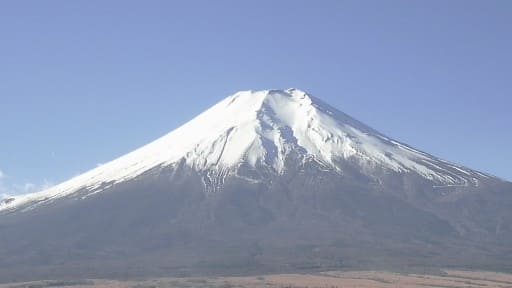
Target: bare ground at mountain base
<point x="331" y="279"/>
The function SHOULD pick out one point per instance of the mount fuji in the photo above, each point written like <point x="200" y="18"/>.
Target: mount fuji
<point x="263" y="181"/>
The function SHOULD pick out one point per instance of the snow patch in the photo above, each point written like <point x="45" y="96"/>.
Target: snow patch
<point x="260" y="128"/>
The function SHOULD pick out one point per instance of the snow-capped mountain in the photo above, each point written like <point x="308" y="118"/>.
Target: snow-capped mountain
<point x="264" y="181"/>
<point x="262" y="128"/>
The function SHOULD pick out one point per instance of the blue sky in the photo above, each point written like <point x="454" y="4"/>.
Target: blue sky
<point x="82" y="82"/>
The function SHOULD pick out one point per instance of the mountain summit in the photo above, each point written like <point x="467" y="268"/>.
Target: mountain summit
<point x="261" y="129"/>
<point x="263" y="181"/>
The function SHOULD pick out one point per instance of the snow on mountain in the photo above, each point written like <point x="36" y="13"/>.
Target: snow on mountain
<point x="262" y="128"/>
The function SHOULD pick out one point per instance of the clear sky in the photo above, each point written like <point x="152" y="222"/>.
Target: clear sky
<point x="82" y="82"/>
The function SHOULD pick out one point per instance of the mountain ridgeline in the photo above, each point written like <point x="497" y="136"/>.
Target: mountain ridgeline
<point x="262" y="182"/>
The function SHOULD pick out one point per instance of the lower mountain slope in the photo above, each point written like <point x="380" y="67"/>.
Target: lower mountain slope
<point x="164" y="222"/>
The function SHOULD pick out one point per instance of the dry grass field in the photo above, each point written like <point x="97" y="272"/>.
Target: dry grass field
<point x="332" y="279"/>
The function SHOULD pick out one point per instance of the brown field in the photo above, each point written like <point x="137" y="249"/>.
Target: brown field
<point x="332" y="279"/>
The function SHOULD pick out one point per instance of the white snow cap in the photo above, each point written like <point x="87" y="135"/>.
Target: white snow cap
<point x="261" y="127"/>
